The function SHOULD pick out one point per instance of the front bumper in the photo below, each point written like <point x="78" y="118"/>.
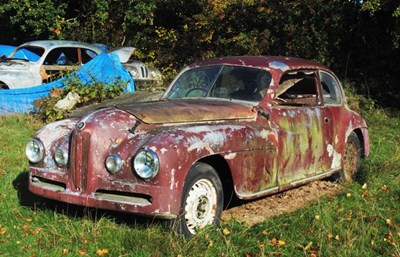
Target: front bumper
<point x="124" y="196"/>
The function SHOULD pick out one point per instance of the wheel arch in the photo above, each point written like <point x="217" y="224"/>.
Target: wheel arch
<point x="360" y="137"/>
<point x="3" y="85"/>
<point x="223" y="170"/>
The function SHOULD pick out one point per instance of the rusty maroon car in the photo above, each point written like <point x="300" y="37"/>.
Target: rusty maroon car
<point x="248" y="126"/>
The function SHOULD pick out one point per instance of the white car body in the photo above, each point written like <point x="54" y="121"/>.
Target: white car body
<point x="53" y="57"/>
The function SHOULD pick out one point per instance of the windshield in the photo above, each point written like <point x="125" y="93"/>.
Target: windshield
<point x="222" y="81"/>
<point x="29" y="53"/>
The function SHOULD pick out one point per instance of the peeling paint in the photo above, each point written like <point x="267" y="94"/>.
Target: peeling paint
<point x="200" y="145"/>
<point x="278" y="65"/>
<point x="230" y="156"/>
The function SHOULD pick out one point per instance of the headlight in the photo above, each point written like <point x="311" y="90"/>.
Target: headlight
<point x="60" y="157"/>
<point x="34" y="150"/>
<point x="113" y="163"/>
<point x="146" y="164"/>
<point x="153" y="74"/>
<point x="134" y="72"/>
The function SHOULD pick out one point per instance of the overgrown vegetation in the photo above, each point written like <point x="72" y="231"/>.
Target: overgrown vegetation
<point x="91" y="93"/>
<point x="362" y="221"/>
<point x="359" y="40"/>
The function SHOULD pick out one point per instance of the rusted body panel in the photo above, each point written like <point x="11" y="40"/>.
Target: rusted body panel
<point x="266" y="147"/>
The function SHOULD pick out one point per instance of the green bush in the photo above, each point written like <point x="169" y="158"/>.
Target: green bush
<point x="89" y="94"/>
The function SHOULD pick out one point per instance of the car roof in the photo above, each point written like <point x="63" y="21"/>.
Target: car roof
<point x="49" y="44"/>
<point x="264" y="62"/>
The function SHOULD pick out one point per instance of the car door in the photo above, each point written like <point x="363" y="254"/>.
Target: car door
<point x="331" y="102"/>
<point x="58" y="62"/>
<point x="302" y="127"/>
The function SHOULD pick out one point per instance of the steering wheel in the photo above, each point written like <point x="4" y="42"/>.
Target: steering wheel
<point x="204" y="91"/>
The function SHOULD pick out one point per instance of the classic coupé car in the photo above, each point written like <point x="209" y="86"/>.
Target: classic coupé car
<point x="37" y="62"/>
<point x="251" y="126"/>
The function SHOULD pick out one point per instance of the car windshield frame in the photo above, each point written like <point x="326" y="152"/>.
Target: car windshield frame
<point x="232" y="82"/>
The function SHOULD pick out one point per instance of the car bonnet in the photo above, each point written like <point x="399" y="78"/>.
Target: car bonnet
<point x="189" y="110"/>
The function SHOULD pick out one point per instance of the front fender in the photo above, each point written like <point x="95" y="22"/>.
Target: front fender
<point x="17" y="79"/>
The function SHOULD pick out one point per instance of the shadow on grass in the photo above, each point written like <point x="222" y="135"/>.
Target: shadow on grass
<point x="37" y="203"/>
<point x="362" y="175"/>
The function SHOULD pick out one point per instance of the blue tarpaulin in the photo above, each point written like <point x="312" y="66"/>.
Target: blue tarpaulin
<point x="105" y="68"/>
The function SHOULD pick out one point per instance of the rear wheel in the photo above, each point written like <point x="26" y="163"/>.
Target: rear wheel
<point x="202" y="200"/>
<point x="351" y="158"/>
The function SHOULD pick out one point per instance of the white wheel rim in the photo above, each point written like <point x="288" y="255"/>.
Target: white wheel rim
<point x="201" y="205"/>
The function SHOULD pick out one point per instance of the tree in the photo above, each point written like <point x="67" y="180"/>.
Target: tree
<point x="31" y="19"/>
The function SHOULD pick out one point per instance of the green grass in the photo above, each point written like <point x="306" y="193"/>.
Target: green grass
<point x="361" y="221"/>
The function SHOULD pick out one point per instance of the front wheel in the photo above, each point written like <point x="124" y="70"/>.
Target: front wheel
<point x="202" y="200"/>
<point x="351" y="159"/>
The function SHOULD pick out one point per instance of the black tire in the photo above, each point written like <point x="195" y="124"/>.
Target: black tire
<point x="202" y="200"/>
<point x="351" y="159"/>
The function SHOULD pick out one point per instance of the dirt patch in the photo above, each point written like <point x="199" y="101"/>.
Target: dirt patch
<point x="255" y="212"/>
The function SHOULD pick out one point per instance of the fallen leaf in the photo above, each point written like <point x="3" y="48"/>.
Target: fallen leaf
<point x="102" y="252"/>
<point x="348" y="195"/>
<point x="364" y="186"/>
<point x="3" y="231"/>
<point x="226" y="231"/>
<point x="36" y="231"/>
<point x="389" y="223"/>
<point x="308" y="247"/>
<point x="281" y="243"/>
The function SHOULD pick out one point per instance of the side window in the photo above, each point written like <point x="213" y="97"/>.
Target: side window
<point x="55" y="57"/>
<point x="241" y="83"/>
<point x="87" y="55"/>
<point x="297" y="89"/>
<point x="330" y="89"/>
<point x="62" y="56"/>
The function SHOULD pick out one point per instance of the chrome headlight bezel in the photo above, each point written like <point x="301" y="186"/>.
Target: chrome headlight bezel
<point x="113" y="163"/>
<point x="134" y="72"/>
<point x="153" y="74"/>
<point x="61" y="157"/>
<point x="34" y="150"/>
<point x="146" y="164"/>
